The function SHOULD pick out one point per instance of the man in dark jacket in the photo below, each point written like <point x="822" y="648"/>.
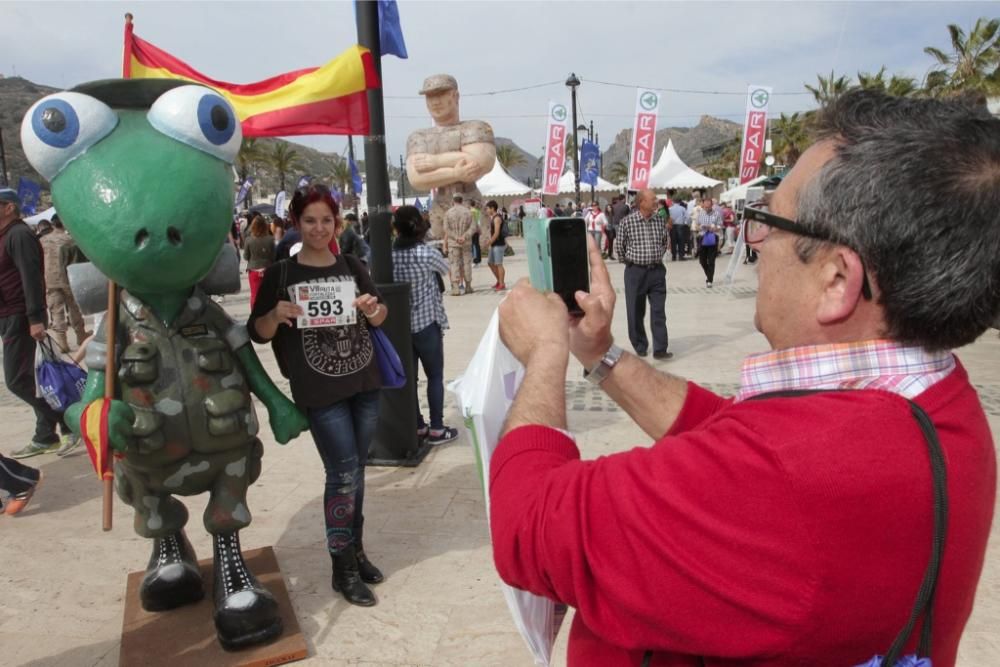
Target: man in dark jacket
<point x="23" y="319"/>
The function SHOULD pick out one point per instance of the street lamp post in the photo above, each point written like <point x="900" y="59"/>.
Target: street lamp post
<point x="572" y="82"/>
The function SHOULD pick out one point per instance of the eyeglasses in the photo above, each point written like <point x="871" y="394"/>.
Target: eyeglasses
<point x="757" y="225"/>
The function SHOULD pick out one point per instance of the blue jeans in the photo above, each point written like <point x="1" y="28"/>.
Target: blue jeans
<point x="343" y="433"/>
<point x="428" y="348"/>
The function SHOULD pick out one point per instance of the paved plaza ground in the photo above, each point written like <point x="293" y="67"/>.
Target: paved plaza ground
<point x="63" y="580"/>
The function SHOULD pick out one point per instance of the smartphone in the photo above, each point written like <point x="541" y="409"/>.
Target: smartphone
<point x="570" y="262"/>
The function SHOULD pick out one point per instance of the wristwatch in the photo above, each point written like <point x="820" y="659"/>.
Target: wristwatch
<point x="603" y="367"/>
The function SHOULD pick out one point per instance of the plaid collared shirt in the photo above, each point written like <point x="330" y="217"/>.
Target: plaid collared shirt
<point x="872" y="364"/>
<point x="417" y="265"/>
<point x="642" y="240"/>
<point x="713" y="217"/>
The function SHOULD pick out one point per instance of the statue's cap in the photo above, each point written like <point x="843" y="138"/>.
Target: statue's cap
<point x="129" y="93"/>
<point x="9" y="195"/>
<point x="438" y="83"/>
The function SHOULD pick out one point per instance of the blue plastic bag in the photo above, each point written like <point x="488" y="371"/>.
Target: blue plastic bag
<point x="389" y="365"/>
<point x="59" y="382"/>
<point x="905" y="661"/>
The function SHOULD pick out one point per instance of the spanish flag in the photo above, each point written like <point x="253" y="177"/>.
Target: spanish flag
<point x="94" y="431"/>
<point x="331" y="99"/>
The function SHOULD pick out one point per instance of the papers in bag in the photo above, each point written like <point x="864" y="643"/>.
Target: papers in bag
<point x="326" y="304"/>
<point x="485" y="393"/>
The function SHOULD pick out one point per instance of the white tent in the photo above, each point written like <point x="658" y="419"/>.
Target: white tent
<point x="740" y="191"/>
<point x="498" y="183"/>
<point x="671" y="172"/>
<point x="567" y="184"/>
<point x="44" y="215"/>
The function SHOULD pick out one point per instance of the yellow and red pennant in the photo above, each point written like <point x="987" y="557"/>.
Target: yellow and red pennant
<point x="94" y="431"/>
<point x="331" y="99"/>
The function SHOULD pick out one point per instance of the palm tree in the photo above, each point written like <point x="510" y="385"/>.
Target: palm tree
<point x="790" y="138"/>
<point x="898" y="86"/>
<point x="340" y="174"/>
<point x="973" y="64"/>
<point x="284" y="159"/>
<point x="829" y="89"/>
<point x="618" y="172"/>
<point x="509" y="157"/>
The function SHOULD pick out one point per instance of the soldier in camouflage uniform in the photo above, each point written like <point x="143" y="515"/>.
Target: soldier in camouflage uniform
<point x="57" y="245"/>
<point x="451" y="156"/>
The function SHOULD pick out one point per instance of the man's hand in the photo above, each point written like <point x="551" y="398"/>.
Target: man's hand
<point x="37" y="331"/>
<point x="425" y="162"/>
<point x="287" y="421"/>
<point x="590" y="335"/>
<point x="534" y="325"/>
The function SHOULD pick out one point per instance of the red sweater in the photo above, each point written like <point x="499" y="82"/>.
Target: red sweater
<point x="772" y="532"/>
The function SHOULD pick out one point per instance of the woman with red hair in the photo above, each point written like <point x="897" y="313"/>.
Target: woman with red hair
<point x="332" y="371"/>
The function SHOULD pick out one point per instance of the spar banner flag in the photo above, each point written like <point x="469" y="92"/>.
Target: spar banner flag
<point x="647" y="106"/>
<point x="555" y="148"/>
<point x="754" y="132"/>
<point x="331" y="99"/>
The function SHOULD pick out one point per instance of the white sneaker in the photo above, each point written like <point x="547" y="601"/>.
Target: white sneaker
<point x="68" y="443"/>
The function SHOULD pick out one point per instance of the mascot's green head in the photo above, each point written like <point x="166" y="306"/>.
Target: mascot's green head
<point x="140" y="174"/>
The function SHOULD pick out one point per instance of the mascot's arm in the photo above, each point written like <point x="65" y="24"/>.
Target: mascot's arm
<point x="120" y="415"/>
<point x="287" y="421"/>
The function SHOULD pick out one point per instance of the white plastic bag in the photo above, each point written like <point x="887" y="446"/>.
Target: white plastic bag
<point x="485" y="393"/>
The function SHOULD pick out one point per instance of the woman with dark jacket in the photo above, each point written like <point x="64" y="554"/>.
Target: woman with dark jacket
<point x="259" y="253"/>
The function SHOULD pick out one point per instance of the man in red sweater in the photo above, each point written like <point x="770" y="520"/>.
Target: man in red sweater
<point x="765" y="530"/>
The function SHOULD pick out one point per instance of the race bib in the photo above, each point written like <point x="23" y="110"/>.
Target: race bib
<point x="326" y="304"/>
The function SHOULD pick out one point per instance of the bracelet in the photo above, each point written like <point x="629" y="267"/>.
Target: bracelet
<point x="374" y="313"/>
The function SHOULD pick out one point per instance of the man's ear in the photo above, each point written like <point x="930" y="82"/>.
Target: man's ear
<point x="841" y="273"/>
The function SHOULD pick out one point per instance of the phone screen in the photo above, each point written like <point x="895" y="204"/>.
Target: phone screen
<point x="570" y="264"/>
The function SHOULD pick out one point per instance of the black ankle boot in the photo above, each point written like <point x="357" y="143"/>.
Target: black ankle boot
<point x="370" y="574"/>
<point x="245" y="612"/>
<point x="347" y="579"/>
<point x="172" y="577"/>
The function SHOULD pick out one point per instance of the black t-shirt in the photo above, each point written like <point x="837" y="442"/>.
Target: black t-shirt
<point x="325" y="364"/>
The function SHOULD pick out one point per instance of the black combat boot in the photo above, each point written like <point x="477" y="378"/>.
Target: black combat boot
<point x="245" y="612"/>
<point x="172" y="577"/>
<point x="347" y="579"/>
<point x="370" y="574"/>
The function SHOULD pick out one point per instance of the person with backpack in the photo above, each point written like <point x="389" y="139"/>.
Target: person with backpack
<point x="333" y="374"/>
<point x="497" y="244"/>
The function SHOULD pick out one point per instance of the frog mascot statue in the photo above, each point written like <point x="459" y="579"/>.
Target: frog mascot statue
<point x="140" y="174"/>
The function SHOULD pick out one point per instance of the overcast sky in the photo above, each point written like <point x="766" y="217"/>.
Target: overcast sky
<point x="498" y="45"/>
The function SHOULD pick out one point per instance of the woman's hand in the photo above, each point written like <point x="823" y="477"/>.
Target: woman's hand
<point x="285" y="313"/>
<point x="374" y="311"/>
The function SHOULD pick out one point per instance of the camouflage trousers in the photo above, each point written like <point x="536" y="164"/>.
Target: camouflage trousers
<point x="224" y="475"/>
<point x="460" y="257"/>
<point x="60" y="302"/>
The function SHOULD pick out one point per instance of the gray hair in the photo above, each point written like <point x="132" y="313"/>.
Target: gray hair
<point x="914" y="189"/>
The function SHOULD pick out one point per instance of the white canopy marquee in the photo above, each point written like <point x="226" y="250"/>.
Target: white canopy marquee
<point x="671" y="172"/>
<point x="740" y="191"/>
<point x="567" y="184"/>
<point x="498" y="183"/>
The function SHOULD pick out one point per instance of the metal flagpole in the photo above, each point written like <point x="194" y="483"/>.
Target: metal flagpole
<point x="396" y="441"/>
<point x="3" y="160"/>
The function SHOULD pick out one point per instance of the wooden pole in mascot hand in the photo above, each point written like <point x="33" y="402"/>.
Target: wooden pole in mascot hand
<point x="110" y="328"/>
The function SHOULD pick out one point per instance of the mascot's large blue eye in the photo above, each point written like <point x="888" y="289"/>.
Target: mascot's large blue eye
<point x="60" y="127"/>
<point x="199" y="117"/>
<point x="216" y="118"/>
<point x="56" y="123"/>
